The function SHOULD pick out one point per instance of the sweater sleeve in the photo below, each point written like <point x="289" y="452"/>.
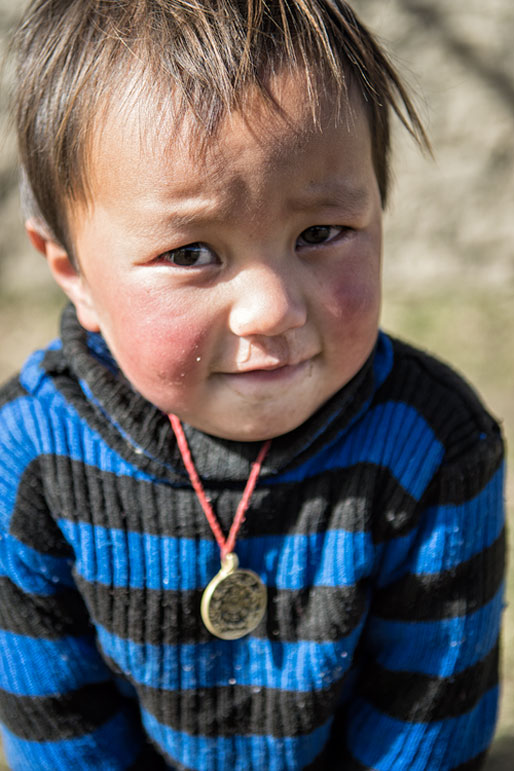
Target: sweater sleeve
<point x="428" y="692"/>
<point x="60" y="706"/>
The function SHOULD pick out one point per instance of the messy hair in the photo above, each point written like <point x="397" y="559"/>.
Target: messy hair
<point x="74" y="57"/>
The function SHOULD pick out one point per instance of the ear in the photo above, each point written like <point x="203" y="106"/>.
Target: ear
<point x="71" y="280"/>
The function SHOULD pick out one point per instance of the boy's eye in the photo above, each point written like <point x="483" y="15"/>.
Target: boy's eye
<point x="190" y="256"/>
<point x="319" y="234"/>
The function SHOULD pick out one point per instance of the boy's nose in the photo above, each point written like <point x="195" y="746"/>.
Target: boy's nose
<point x="266" y="303"/>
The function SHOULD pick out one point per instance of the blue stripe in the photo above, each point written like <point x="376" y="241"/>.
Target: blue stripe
<point x="16" y="452"/>
<point x="384" y="359"/>
<point x="453" y="534"/>
<point x="238" y="753"/>
<point x="32" y="374"/>
<point x="441" y="649"/>
<point x="31" y="571"/>
<point x="115" y="557"/>
<point x="38" y="667"/>
<point x="392" y="435"/>
<point x="298" y="666"/>
<point x="334" y="558"/>
<point x="114" y="746"/>
<point x="385" y="744"/>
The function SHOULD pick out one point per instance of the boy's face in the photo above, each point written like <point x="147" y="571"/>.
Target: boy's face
<point x="239" y="291"/>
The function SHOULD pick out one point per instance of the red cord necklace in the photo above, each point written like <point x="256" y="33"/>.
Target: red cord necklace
<point x="234" y="601"/>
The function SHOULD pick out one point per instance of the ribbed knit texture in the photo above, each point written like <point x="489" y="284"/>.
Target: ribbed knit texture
<point x="377" y="527"/>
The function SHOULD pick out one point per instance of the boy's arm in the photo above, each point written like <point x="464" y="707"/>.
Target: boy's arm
<point x="429" y="687"/>
<point x="59" y="703"/>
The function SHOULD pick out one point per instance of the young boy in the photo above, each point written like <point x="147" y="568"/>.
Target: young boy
<point x="206" y="180"/>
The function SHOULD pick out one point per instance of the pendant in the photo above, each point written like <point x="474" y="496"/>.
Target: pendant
<point x="234" y="602"/>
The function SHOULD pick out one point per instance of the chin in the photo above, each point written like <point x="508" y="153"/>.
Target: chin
<point x="256" y="430"/>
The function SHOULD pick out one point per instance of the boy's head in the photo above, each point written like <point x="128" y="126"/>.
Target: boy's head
<point x="206" y="180"/>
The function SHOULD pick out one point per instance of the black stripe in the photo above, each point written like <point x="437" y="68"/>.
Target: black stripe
<point x="360" y="498"/>
<point x="475" y="764"/>
<point x="455" y="592"/>
<point x="352" y="764"/>
<point x="335" y="755"/>
<point x="325" y="760"/>
<point x="418" y="698"/>
<point x="337" y="758"/>
<point x="149" y="760"/>
<point x="12" y="390"/>
<point x="241" y="710"/>
<point x="31" y="522"/>
<point x="341" y="760"/>
<point x="47" y="617"/>
<point x="338" y="499"/>
<point x="317" y="614"/>
<point x="174" y="764"/>
<point x="344" y="761"/>
<point x="463" y="480"/>
<point x="54" y="718"/>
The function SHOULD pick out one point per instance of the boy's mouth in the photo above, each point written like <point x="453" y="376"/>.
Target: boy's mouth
<point x="262" y="374"/>
<point x="262" y="368"/>
<point x="272" y="365"/>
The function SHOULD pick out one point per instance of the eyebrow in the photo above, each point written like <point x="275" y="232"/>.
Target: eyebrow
<point x="338" y="196"/>
<point x="351" y="199"/>
<point x="178" y="218"/>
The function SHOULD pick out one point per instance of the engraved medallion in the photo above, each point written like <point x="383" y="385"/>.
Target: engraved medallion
<point x="234" y="602"/>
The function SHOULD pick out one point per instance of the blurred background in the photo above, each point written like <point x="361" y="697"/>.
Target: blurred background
<point x="449" y="229"/>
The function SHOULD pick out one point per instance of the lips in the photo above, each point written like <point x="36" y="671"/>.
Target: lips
<point x="257" y="381"/>
<point x="257" y="367"/>
<point x="262" y="368"/>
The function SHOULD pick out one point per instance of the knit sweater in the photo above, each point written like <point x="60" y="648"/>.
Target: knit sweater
<point x="377" y="528"/>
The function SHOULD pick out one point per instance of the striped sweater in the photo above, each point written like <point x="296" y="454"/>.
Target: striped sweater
<point x="377" y="527"/>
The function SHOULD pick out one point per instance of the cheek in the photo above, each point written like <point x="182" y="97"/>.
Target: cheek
<point x="155" y="340"/>
<point x="165" y="351"/>
<point x="353" y="297"/>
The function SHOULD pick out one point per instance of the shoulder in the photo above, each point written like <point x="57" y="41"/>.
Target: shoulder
<point x="34" y="420"/>
<point x="28" y="400"/>
<point x="35" y="375"/>
<point x="448" y="406"/>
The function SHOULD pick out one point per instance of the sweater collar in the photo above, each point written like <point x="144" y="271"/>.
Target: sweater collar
<point x="149" y="442"/>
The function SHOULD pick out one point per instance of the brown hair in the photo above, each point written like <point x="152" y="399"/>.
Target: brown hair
<point x="75" y="56"/>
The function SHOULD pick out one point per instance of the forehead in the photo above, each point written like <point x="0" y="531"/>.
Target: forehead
<point x="142" y="141"/>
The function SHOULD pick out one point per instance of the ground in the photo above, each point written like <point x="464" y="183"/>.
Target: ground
<point x="449" y="265"/>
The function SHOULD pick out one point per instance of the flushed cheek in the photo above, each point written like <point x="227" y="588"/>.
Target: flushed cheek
<point x="158" y="349"/>
<point x="168" y="354"/>
<point x="353" y="302"/>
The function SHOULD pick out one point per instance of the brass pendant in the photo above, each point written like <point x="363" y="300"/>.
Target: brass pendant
<point x="234" y="602"/>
